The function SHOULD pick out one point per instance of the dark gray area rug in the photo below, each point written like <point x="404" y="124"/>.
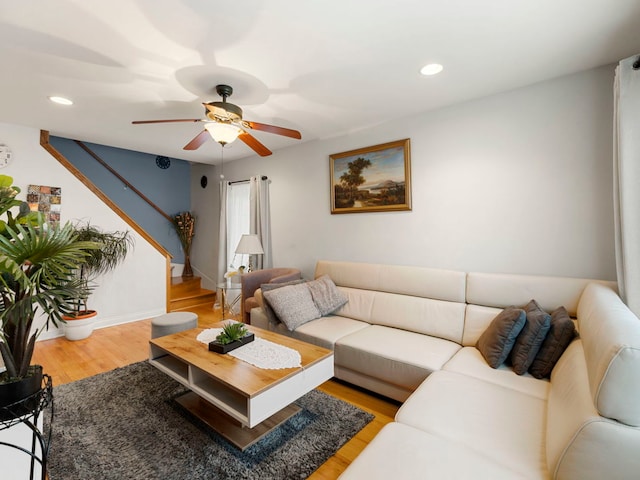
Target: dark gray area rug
<point x="124" y="424"/>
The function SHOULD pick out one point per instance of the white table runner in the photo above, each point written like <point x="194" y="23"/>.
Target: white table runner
<point x="260" y="353"/>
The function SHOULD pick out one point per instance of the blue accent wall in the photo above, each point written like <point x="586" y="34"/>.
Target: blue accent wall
<point x="169" y="188"/>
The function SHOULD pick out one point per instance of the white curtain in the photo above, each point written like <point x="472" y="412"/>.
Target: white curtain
<point x="222" y="234"/>
<point x="261" y="218"/>
<point x="237" y="221"/>
<point x="626" y="174"/>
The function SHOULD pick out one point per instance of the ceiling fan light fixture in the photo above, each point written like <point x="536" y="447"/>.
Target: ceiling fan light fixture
<point x="223" y="133"/>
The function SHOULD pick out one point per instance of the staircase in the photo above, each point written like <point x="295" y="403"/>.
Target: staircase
<point x="187" y="293"/>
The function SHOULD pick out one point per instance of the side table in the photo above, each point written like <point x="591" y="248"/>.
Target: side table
<point x="227" y="289"/>
<point x="27" y="412"/>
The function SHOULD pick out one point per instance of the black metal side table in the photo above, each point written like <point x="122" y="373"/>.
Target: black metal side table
<point x="27" y="412"/>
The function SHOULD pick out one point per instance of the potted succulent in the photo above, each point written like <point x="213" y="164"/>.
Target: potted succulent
<point x="37" y="265"/>
<point x="114" y="247"/>
<point x="233" y="335"/>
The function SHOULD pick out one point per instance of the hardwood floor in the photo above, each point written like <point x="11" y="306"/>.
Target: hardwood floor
<point x="121" y="345"/>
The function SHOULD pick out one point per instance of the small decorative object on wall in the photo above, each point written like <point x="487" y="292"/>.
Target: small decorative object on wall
<point x="5" y="156"/>
<point x="46" y="200"/>
<point x="163" y="162"/>
<point x="371" y="179"/>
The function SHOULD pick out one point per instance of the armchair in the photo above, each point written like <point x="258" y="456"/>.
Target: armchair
<point x="252" y="281"/>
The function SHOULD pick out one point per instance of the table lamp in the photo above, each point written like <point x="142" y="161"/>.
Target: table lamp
<point x="249" y="244"/>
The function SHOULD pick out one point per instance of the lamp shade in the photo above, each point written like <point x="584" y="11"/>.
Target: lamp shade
<point x="249" y="244"/>
<point x="222" y="133"/>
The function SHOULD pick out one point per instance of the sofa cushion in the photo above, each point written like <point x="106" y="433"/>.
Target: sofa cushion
<point x="504" y="425"/>
<point x="497" y="340"/>
<point x="359" y="304"/>
<point x="293" y="305"/>
<point x="402" y="452"/>
<point x="267" y="287"/>
<point x="326" y="295"/>
<point x="325" y="331"/>
<point x="530" y="338"/>
<point x="611" y="336"/>
<point x="417" y="314"/>
<point x="449" y="285"/>
<point x="476" y="320"/>
<point x="502" y="290"/>
<point x="393" y="355"/>
<point x="427" y="316"/>
<point x="560" y="335"/>
<point x="469" y="361"/>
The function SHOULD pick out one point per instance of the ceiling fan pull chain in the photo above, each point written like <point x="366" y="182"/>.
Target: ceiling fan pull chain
<point x="221" y="162"/>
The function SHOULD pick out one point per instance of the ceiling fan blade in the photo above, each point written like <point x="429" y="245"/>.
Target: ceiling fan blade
<point x="197" y="141"/>
<point x="252" y="142"/>
<point x="138" y="122"/>
<point x="287" y="132"/>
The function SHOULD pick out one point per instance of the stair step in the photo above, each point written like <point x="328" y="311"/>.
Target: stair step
<point x="206" y="297"/>
<point x="187" y="293"/>
<point x="186" y="304"/>
<point x="181" y="286"/>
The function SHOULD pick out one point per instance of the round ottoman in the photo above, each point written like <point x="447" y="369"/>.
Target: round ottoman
<point x="172" y="323"/>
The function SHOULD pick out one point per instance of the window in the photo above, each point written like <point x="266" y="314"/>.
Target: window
<point x="238" y="220"/>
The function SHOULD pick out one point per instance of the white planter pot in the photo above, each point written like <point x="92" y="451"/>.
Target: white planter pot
<point x="79" y="328"/>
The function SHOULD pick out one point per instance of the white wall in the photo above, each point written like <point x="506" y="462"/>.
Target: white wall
<point x="205" y="207"/>
<point x="136" y="289"/>
<point x="519" y="182"/>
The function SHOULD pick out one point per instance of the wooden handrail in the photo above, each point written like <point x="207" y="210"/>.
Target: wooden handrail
<point x="44" y="142"/>
<point x="122" y="179"/>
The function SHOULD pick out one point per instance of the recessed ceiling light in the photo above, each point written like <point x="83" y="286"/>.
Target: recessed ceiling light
<point x="61" y="100"/>
<point x="431" y="69"/>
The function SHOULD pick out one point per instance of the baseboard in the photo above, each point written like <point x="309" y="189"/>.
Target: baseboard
<point x="107" y="322"/>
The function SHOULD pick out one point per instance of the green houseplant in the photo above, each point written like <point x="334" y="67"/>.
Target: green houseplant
<point x="114" y="248"/>
<point x="37" y="265"/>
<point x="233" y="335"/>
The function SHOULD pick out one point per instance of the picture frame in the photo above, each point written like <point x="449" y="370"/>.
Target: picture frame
<point x="372" y="179"/>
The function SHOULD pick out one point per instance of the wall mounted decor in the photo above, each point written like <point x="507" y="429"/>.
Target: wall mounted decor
<point x="163" y="162"/>
<point x="371" y="179"/>
<point x="5" y="156"/>
<point x="46" y="200"/>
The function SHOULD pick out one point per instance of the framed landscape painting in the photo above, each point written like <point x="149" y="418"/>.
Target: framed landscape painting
<point x="371" y="179"/>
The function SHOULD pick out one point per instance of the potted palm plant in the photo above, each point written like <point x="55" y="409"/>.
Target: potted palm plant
<point x="114" y="247"/>
<point x="37" y="265"/>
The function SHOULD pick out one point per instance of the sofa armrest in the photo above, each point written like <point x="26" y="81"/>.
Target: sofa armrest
<point x="251" y="282"/>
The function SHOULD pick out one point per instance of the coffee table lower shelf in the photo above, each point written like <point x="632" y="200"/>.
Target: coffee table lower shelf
<point x="227" y="426"/>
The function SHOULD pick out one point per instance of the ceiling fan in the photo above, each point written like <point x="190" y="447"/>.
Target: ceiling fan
<point x="224" y="123"/>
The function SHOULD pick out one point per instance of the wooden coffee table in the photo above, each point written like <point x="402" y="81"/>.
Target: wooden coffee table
<point x="238" y="400"/>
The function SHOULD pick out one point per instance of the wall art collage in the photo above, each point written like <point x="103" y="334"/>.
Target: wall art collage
<point x="46" y="200"/>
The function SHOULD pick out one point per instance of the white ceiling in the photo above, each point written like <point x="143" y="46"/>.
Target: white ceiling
<point x="323" y="67"/>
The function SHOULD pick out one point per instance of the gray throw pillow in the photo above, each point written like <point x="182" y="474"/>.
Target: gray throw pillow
<point x="293" y="305"/>
<point x="496" y="341"/>
<point x="266" y="287"/>
<point x="560" y="335"/>
<point x="531" y="337"/>
<point x="326" y="295"/>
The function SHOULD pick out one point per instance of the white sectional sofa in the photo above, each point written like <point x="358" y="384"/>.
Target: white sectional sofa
<point x="410" y="333"/>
